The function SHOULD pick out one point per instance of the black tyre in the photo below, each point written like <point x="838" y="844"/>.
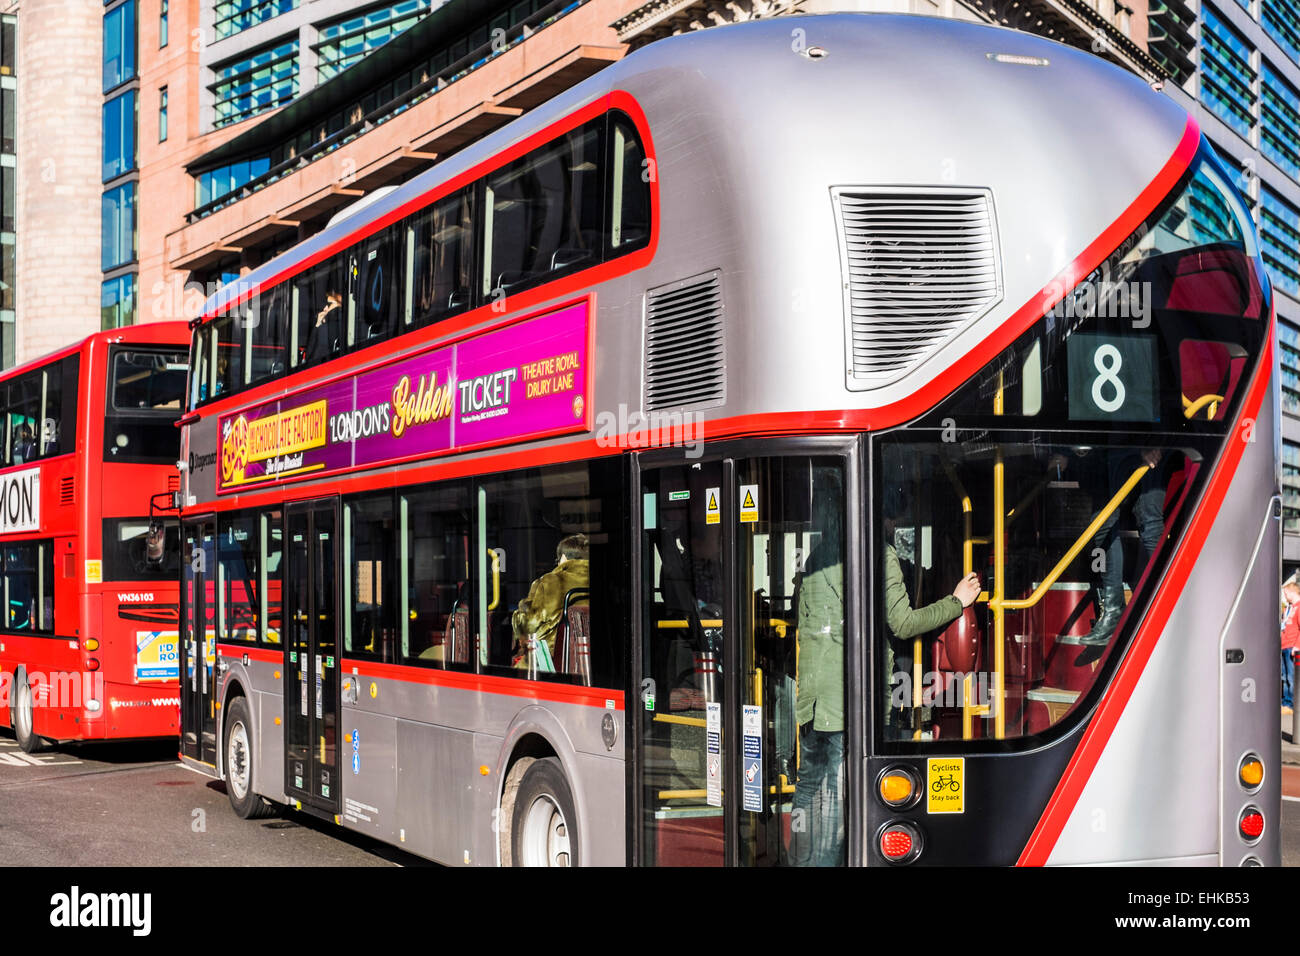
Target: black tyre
<point x="544" y="828"/>
<point x="21" y="715"/>
<point x="239" y="764"/>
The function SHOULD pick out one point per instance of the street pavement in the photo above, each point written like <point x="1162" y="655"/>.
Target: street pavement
<point x="134" y="804"/>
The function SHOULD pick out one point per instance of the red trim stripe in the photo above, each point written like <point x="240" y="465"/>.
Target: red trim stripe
<point x="458" y="680"/>
<point x="263" y="655"/>
<point x="1062" y="803"/>
<point x="490" y="684"/>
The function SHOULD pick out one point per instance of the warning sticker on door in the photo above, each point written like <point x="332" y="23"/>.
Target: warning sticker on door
<point x="712" y="505"/>
<point x="944" y="785"/>
<point x="748" y="503"/>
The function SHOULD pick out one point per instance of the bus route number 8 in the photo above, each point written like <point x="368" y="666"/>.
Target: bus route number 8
<point x="1108" y="361"/>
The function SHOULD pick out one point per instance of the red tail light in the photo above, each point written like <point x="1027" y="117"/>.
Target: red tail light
<point x="1251" y="824"/>
<point x="900" y="842"/>
<point x="92" y="664"/>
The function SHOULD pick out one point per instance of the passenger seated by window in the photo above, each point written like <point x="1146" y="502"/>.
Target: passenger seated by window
<point x="24" y="444"/>
<point x="322" y="341"/>
<point x="538" y="617"/>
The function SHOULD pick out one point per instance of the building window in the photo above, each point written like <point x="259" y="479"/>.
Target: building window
<point x="119" y="45"/>
<point x="1280" y="119"/>
<point x="1288" y="337"/>
<point x="8" y="115"/>
<point x="8" y="45"/>
<point x="117" y="302"/>
<point x="1279" y="228"/>
<point x="162" y="24"/>
<point x="258" y="83"/>
<point x="7" y="271"/>
<point x="223" y="180"/>
<point x="162" y="115"/>
<point x="343" y="42"/>
<point x="235" y="15"/>
<point x="118" y="238"/>
<point x="8" y="196"/>
<point x="1281" y="20"/>
<point x="1227" y="79"/>
<point x="119" y="135"/>
<point x="1290" y="486"/>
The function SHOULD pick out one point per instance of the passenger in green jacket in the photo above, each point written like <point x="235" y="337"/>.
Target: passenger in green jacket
<point x="817" y="825"/>
<point x="904" y="621"/>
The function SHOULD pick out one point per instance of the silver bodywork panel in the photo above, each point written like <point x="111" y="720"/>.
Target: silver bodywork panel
<point x="750" y="137"/>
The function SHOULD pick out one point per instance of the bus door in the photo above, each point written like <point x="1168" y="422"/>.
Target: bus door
<point x="743" y="755"/>
<point x="311" y="687"/>
<point x="199" y="648"/>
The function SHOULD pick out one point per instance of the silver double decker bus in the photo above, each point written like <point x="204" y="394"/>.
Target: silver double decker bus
<point x="826" y="440"/>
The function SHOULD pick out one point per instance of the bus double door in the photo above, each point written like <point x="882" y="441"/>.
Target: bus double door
<point x="742" y="755"/>
<point x="311" y="664"/>
<point x="199" y="644"/>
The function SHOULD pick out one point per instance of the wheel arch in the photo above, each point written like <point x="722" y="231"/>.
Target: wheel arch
<point x="537" y="733"/>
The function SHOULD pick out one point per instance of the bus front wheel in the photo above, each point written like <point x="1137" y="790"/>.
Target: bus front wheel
<point x="544" y="829"/>
<point x="239" y="764"/>
<point x="22" y="718"/>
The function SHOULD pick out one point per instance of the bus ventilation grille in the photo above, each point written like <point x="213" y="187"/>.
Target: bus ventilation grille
<point x="919" y="266"/>
<point x="173" y="482"/>
<point x="67" y="491"/>
<point x="684" y="358"/>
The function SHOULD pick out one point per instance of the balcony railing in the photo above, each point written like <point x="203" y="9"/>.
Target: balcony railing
<point x="457" y="70"/>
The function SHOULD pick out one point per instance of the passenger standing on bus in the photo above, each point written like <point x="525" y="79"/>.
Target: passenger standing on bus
<point x="1290" y="639"/>
<point x="817" y="825"/>
<point x="904" y="621"/>
<point x="1148" y="506"/>
<point x="323" y="338"/>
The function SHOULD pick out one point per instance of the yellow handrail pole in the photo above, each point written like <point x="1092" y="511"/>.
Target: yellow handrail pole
<point x="1084" y="538"/>
<point x="967" y="687"/>
<point x="999" y="579"/>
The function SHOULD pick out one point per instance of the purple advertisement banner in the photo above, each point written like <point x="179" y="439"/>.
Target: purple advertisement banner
<point x="523" y="381"/>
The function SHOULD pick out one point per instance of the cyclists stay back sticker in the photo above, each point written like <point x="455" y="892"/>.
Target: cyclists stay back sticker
<point x="943" y="785"/>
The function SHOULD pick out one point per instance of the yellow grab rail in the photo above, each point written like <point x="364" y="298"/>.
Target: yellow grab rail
<point x="676" y="719"/>
<point x="496" y="580"/>
<point x="1190" y="408"/>
<point x="1087" y="535"/>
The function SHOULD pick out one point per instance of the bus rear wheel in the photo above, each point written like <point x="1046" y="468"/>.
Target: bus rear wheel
<point x="544" y="829"/>
<point x="22" y="716"/>
<point x="239" y="764"/>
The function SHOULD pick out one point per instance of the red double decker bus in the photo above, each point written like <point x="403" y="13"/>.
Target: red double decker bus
<point x="89" y="569"/>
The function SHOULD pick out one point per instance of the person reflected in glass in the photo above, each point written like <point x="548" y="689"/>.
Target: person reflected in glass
<point x="904" y="621"/>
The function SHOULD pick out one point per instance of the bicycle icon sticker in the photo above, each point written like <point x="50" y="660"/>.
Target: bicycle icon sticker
<point x="944" y="791"/>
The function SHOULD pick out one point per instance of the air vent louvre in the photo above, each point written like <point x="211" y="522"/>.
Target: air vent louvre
<point x="173" y="482"/>
<point x="67" y="491"/>
<point x="684" y="355"/>
<point x="919" y="266"/>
